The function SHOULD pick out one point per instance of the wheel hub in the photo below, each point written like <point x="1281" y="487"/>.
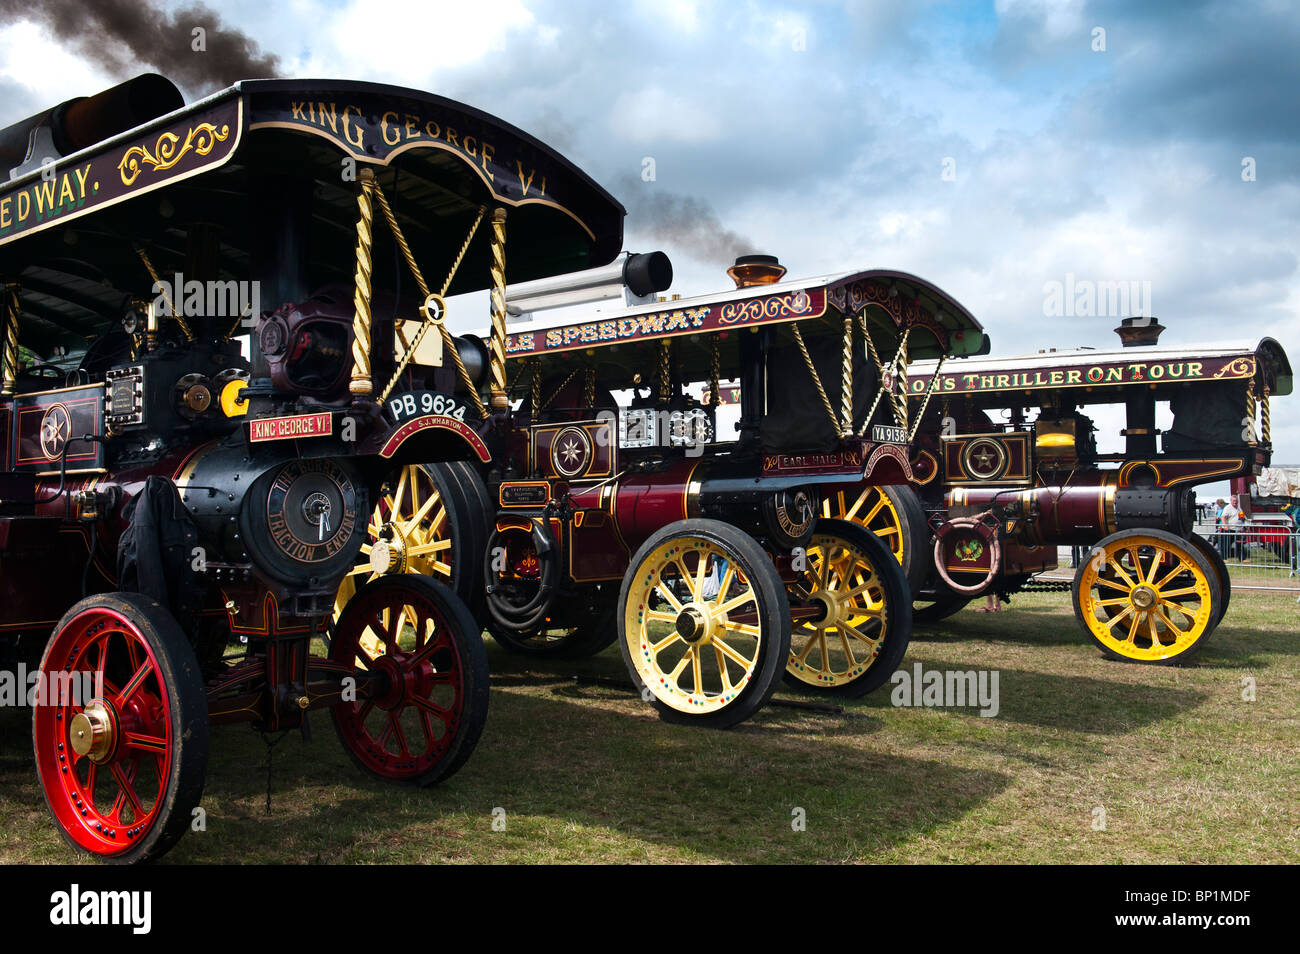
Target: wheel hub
<point x="692" y="625"/>
<point x="388" y="554"/>
<point x="93" y="732"/>
<point x="403" y="682"/>
<point x="395" y="684"/>
<point x="1144" y="597"/>
<point x="828" y="607"/>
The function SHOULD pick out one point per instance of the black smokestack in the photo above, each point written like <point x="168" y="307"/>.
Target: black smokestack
<point x="120" y="35"/>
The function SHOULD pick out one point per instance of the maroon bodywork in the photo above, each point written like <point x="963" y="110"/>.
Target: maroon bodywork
<point x="1042" y="483"/>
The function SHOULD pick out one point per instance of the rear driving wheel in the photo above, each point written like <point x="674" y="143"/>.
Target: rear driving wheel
<point x="121" y="731"/>
<point x="704" y="625"/>
<point x="854" y="613"/>
<point x="894" y="515"/>
<point x="424" y="523"/>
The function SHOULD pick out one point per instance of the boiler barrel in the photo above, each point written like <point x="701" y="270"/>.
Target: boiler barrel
<point x="1080" y="513"/>
<point x="770" y="507"/>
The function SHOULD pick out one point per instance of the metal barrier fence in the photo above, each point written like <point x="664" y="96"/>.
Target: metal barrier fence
<point x="1260" y="554"/>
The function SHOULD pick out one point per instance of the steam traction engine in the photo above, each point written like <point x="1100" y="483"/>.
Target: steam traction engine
<point x="623" y="512"/>
<point x="187" y="477"/>
<point x="1008" y="469"/>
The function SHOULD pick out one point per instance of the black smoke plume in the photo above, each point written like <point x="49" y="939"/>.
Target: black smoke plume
<point x="123" y="36"/>
<point x="681" y="220"/>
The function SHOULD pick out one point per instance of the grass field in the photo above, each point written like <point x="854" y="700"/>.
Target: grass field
<point x="1184" y="768"/>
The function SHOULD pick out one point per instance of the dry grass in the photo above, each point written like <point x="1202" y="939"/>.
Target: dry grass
<point x="1185" y="769"/>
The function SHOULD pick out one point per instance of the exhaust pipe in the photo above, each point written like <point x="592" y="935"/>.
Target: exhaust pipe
<point x="636" y="277"/>
<point x="86" y="120"/>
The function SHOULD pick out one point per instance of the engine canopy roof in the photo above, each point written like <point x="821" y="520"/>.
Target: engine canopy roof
<point x="68" y="231"/>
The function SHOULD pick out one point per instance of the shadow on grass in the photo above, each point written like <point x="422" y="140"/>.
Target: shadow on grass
<point x="1082" y="703"/>
<point x="584" y="772"/>
<point x="578" y="768"/>
<point x="553" y="764"/>
<point x="1076" y="703"/>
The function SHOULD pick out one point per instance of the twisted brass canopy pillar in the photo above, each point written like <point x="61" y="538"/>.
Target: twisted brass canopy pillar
<point x="361" y="384"/>
<point x="10" y="354"/>
<point x="497" y="346"/>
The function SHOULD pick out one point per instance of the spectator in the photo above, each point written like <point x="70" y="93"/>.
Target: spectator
<point x="1231" y="520"/>
<point x="1220" y="535"/>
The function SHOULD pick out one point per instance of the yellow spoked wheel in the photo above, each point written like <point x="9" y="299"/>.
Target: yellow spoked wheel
<point x="851" y="611"/>
<point x="704" y="626"/>
<point x="1147" y="596"/>
<point x="410" y="531"/>
<point x="893" y="514"/>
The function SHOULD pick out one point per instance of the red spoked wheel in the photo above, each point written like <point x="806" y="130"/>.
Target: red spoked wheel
<point x="120" y="728"/>
<point x="422" y="679"/>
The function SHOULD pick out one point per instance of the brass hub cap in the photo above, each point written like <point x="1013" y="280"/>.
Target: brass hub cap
<point x="1144" y="597"/>
<point x="93" y="732"/>
<point x="831" y="607"/>
<point x="388" y="554"/>
<point x="692" y="625"/>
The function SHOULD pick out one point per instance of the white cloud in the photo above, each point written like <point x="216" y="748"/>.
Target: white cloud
<point x="1057" y="18"/>
<point x="31" y="58"/>
<point x="1108" y="167"/>
<point x="410" y="41"/>
<point x="684" y="15"/>
<point x="653" y="114"/>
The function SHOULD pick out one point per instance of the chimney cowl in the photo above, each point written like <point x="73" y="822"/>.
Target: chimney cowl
<point x="1139" y="332"/>
<point x="756" y="270"/>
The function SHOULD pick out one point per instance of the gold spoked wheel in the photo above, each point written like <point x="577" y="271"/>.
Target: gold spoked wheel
<point x="851" y="612"/>
<point x="704" y="627"/>
<point x="409" y="532"/>
<point x="894" y="515"/>
<point x="1147" y="596"/>
<point x="691" y="623"/>
<point x="869" y="507"/>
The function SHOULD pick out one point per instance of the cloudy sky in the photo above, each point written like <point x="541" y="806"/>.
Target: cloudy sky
<point x="992" y="147"/>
